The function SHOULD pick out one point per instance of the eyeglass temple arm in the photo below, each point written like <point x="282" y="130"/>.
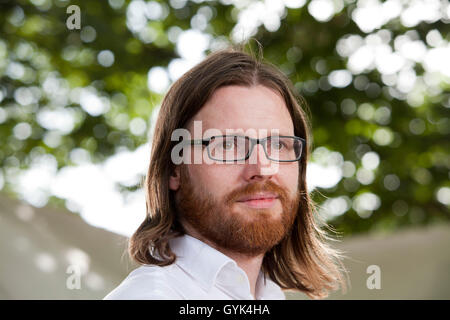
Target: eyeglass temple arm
<point x="197" y="142"/>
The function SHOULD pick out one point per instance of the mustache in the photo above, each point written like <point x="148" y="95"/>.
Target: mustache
<point x="252" y="188"/>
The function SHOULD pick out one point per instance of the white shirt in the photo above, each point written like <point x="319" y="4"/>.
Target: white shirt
<point x="199" y="272"/>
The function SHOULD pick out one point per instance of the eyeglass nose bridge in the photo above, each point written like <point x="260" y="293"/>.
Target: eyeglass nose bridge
<point x="253" y="143"/>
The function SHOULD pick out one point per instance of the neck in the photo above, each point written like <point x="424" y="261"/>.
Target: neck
<point x="250" y="264"/>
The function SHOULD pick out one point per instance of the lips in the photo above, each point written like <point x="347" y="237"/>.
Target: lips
<point x="259" y="196"/>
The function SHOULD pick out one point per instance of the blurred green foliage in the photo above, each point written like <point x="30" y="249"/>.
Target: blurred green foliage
<point x="42" y="64"/>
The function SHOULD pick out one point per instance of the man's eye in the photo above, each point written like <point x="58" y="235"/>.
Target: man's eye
<point x="277" y="145"/>
<point x="228" y="145"/>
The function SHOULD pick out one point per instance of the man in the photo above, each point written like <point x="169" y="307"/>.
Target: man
<point x="239" y="223"/>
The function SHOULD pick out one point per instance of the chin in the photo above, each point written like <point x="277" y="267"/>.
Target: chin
<point x="273" y="212"/>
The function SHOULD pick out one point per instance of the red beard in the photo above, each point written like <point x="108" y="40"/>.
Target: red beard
<point x="234" y="226"/>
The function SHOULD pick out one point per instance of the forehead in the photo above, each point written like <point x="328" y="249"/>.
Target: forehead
<point x="236" y="108"/>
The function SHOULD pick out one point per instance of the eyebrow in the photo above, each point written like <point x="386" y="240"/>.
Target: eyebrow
<point x="272" y="135"/>
<point x="281" y="133"/>
<point x="242" y="135"/>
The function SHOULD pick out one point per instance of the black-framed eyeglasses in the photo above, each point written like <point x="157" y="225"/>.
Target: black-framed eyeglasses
<point x="233" y="148"/>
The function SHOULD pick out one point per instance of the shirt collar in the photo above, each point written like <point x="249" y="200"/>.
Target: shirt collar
<point x="198" y="259"/>
<point x="206" y="264"/>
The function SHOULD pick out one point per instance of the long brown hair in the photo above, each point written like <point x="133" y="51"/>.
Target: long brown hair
<point x="302" y="260"/>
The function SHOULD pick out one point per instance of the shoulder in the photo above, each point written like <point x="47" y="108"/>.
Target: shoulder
<point x="146" y="283"/>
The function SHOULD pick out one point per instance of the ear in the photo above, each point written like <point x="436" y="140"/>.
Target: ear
<point x="174" y="179"/>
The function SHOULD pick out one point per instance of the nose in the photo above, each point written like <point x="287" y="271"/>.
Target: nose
<point x="258" y="167"/>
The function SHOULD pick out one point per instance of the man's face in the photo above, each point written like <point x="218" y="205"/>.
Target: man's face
<point x="214" y="198"/>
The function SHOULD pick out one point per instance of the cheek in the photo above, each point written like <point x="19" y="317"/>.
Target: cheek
<point x="289" y="177"/>
<point x="214" y="179"/>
